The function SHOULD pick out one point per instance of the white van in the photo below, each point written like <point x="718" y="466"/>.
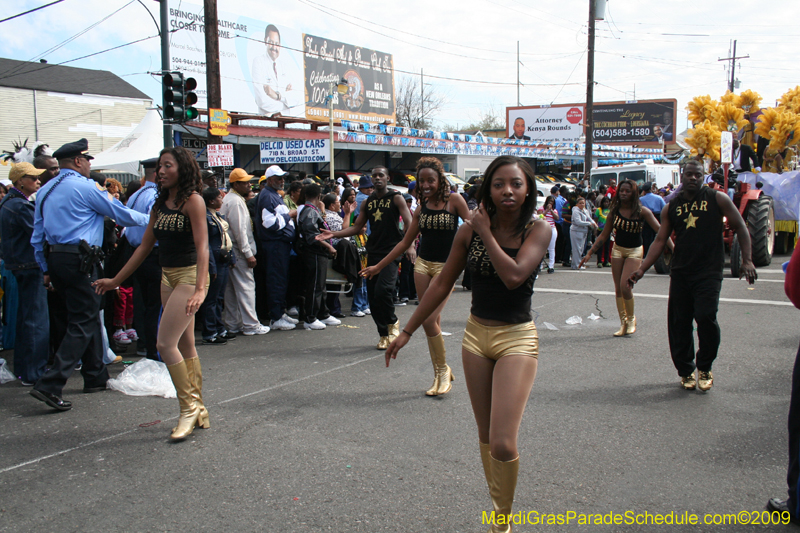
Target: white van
<point x="638" y="172"/>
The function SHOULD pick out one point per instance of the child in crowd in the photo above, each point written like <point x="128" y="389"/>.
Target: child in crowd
<point x="600" y="215"/>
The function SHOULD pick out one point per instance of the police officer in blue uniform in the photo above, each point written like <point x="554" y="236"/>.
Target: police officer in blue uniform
<point x="148" y="275"/>
<point x="67" y="235"/>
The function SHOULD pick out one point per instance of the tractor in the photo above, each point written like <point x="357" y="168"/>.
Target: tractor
<point x="757" y="210"/>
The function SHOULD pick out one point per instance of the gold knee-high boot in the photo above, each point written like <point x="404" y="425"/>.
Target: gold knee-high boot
<point x="443" y="375"/>
<point x="630" y="317"/>
<point x="196" y="377"/>
<point x="502" y="487"/>
<point x="622" y="317"/>
<point x="190" y="411"/>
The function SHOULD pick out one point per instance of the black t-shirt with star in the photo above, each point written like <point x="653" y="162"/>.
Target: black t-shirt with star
<point x="699" y="248"/>
<point x="384" y="225"/>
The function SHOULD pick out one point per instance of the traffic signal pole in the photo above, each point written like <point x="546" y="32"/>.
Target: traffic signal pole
<point x="165" y="63"/>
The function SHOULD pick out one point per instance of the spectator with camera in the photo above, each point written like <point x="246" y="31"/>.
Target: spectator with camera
<point x="221" y="256"/>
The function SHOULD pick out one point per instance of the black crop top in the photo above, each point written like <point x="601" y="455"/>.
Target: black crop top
<point x="173" y="230"/>
<point x="438" y="228"/>
<point x="627" y="232"/>
<point x="491" y="299"/>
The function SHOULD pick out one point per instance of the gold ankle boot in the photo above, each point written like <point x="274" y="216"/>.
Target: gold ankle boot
<point x="196" y="377"/>
<point x="630" y="318"/>
<point x="190" y="411"/>
<point x="443" y="375"/>
<point x="622" y="318"/>
<point x="383" y="343"/>
<point x="502" y="487"/>
<point x="394" y="331"/>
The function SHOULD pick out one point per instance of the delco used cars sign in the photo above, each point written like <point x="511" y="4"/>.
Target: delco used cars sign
<point x="295" y="151"/>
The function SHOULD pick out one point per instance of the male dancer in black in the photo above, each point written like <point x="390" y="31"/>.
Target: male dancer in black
<point x="696" y="271"/>
<point x="383" y="209"/>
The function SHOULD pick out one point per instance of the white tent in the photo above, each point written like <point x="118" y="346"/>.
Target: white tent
<point x="145" y="141"/>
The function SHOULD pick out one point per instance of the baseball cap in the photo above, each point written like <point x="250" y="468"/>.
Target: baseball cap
<point x="339" y="180"/>
<point x="274" y="170"/>
<point x="20" y="170"/>
<point x="239" y="174"/>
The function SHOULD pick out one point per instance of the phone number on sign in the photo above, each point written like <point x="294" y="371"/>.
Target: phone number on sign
<point x="183" y="61"/>
<point x="621" y="132"/>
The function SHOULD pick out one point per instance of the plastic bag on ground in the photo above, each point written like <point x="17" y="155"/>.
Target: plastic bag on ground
<point x="574" y="320"/>
<point x="6" y="375"/>
<point x="593" y="317"/>
<point x="144" y="378"/>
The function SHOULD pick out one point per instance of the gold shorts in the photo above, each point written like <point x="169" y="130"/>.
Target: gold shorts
<point x="618" y="252"/>
<point x="174" y="276"/>
<point x="428" y="268"/>
<point x="494" y="342"/>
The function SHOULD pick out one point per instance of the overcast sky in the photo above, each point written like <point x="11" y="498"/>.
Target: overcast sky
<point x="659" y="49"/>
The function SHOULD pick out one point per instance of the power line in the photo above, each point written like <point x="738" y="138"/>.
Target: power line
<point x="485" y="82"/>
<point x="31" y="10"/>
<point x="361" y="26"/>
<point x="14" y="70"/>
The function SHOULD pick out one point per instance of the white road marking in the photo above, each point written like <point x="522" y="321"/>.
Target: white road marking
<point x="663" y="296"/>
<point x="278" y="386"/>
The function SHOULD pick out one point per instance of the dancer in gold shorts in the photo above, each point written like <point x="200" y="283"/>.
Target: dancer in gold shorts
<point x="178" y="222"/>
<point x="436" y="219"/>
<point x="626" y="217"/>
<point x="503" y="248"/>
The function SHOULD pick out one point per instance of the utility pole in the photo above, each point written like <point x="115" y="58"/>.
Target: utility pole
<point x="587" y="158"/>
<point x="213" y="89"/>
<point x="518" y="101"/>
<point x="164" y="31"/>
<point x="733" y="59"/>
<point x="422" y="99"/>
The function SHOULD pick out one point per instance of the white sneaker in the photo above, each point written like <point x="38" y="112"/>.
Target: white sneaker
<point x="282" y="324"/>
<point x="314" y="325"/>
<point x="331" y="321"/>
<point x="260" y="330"/>
<point x="367" y="311"/>
<point x="293" y="311"/>
<point x="121" y="338"/>
<point x="358" y="314"/>
<point x="131" y="334"/>
<point x="288" y="319"/>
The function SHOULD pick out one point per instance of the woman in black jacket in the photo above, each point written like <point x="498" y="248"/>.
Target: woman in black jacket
<point x="314" y="255"/>
<point x="220" y="257"/>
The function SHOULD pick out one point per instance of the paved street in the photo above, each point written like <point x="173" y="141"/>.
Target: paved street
<point x="311" y="433"/>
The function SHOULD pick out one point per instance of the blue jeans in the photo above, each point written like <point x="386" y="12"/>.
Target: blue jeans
<point x="360" y="300"/>
<point x="33" y="326"/>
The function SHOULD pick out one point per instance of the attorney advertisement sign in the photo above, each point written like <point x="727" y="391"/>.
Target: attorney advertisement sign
<point x="558" y="123"/>
<point x="264" y="70"/>
<point x="643" y="122"/>
<point x="290" y="151"/>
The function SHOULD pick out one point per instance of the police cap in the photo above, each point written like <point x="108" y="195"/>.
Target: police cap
<point x="149" y="163"/>
<point x="73" y="149"/>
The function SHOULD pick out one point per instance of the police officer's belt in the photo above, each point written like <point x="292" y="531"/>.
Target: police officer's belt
<point x="65" y="248"/>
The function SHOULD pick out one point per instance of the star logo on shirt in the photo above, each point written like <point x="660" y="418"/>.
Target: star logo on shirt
<point x="378" y="215"/>
<point x="690" y="221"/>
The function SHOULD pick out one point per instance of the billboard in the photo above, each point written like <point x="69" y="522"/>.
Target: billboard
<point x="264" y="70"/>
<point x="646" y="122"/>
<point x="369" y="75"/>
<point x="558" y="123"/>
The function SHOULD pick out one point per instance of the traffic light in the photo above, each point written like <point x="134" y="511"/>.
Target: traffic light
<point x="179" y="98"/>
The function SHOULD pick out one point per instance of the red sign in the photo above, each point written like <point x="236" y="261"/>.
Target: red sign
<point x="574" y="115"/>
